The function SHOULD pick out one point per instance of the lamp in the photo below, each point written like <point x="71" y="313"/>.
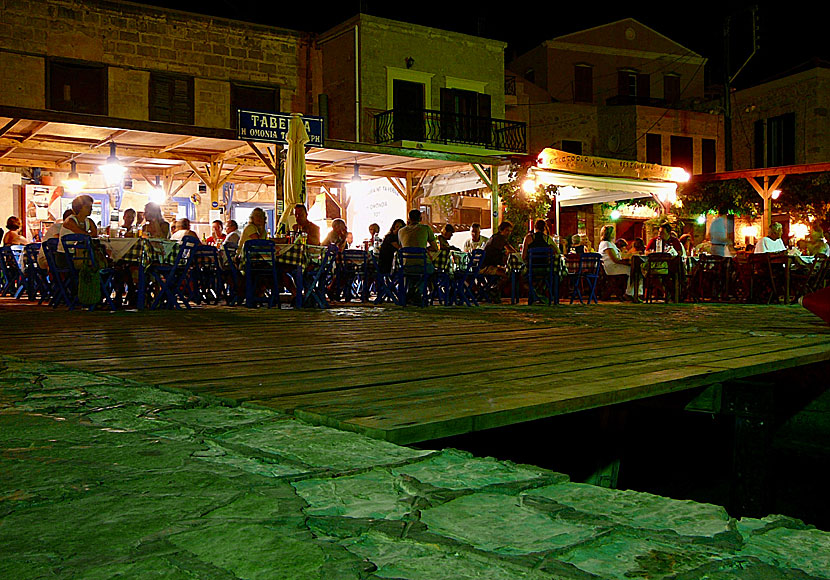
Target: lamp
<point x="701" y="219"/>
<point x="776" y="194"/>
<point x="356" y="185"/>
<point x="113" y="170"/>
<point x="157" y="194"/>
<point x="73" y="183"/>
<point x="409" y="61"/>
<point x="616" y="214"/>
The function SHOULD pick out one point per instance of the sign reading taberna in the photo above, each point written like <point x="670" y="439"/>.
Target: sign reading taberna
<point x="273" y="127"/>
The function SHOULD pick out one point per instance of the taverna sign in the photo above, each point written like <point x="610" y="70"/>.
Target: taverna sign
<point x="273" y="127"/>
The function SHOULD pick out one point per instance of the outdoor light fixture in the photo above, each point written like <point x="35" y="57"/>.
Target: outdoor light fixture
<point x="701" y="219"/>
<point x="113" y="170"/>
<point x="615" y="214"/>
<point x="73" y="183"/>
<point x="529" y="185"/>
<point x="157" y="194"/>
<point x="356" y="185"/>
<point x="799" y="230"/>
<point x="679" y="174"/>
<point x="776" y="194"/>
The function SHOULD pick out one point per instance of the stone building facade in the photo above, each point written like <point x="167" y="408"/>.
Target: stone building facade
<point x="784" y="121"/>
<point x="144" y="54"/>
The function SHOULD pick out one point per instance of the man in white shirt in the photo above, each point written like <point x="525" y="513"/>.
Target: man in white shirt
<point x="773" y="242"/>
<point x="476" y="240"/>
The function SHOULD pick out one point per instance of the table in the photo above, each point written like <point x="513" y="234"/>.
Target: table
<point x="673" y="269"/>
<point x="142" y="252"/>
<point x="298" y="257"/>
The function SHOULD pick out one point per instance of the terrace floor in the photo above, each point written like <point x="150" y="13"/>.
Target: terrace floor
<point x="413" y="375"/>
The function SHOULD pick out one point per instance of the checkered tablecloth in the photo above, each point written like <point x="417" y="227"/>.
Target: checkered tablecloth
<point x="141" y="250"/>
<point x="297" y="254"/>
<point x="515" y="264"/>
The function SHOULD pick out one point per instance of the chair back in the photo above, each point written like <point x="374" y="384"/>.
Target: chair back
<point x="355" y="260"/>
<point x="10" y="273"/>
<point x="413" y="260"/>
<point x="30" y="254"/>
<point x="589" y="264"/>
<point x="185" y="255"/>
<point x="540" y="259"/>
<point x="258" y="253"/>
<point x="206" y="256"/>
<point x="79" y="247"/>
<point x="476" y="261"/>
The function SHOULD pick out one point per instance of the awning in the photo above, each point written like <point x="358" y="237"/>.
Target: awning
<point x="459" y="181"/>
<point x="586" y="189"/>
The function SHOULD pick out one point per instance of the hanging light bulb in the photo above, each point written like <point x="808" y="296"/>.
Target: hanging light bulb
<point x="113" y="170"/>
<point x="615" y="214"/>
<point x="356" y="185"/>
<point x="701" y="219"/>
<point x="529" y="185"/>
<point x="157" y="194"/>
<point x="73" y="183"/>
<point x="776" y="194"/>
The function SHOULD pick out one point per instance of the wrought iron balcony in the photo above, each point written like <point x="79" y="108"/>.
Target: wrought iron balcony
<point x="428" y="126"/>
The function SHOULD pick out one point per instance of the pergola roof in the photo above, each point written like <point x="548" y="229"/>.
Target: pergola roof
<point x="38" y="141"/>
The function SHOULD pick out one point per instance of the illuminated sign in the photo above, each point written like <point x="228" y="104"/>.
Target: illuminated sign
<point x="273" y="127"/>
<point x="585" y="164"/>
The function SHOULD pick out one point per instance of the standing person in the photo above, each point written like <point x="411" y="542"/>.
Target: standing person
<point x="389" y="246"/>
<point x="216" y="236"/>
<point x="612" y="262"/>
<point x="231" y="233"/>
<point x="718" y="236"/>
<point x="13" y="237"/>
<point x="255" y="230"/>
<point x="155" y="226"/>
<point x="309" y="228"/>
<point x="476" y="240"/>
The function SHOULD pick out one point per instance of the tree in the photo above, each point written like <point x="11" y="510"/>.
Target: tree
<point x="521" y="207"/>
<point x="732" y="196"/>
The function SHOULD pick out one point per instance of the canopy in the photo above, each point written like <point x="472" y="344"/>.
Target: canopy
<point x="294" y="182"/>
<point x="588" y="189"/>
<point x="458" y="181"/>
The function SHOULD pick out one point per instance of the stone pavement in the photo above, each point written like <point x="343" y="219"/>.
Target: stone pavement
<point x="107" y="478"/>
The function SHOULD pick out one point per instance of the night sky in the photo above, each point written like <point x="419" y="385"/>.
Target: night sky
<point x="792" y="31"/>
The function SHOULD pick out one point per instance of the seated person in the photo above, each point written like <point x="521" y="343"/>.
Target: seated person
<point x="389" y="246"/>
<point x="127" y="228"/>
<point x="637" y="247"/>
<point x="665" y="241"/>
<point x="577" y="247"/>
<point x="255" y="230"/>
<point x="182" y="230"/>
<point x="444" y="238"/>
<point x="496" y="251"/>
<point x="79" y="221"/>
<point x="688" y="243"/>
<point x="216" y="235"/>
<point x="339" y="235"/>
<point x="771" y="243"/>
<point x="13" y="237"/>
<point x="612" y="262"/>
<point x="538" y="238"/>
<point x="52" y="232"/>
<point x="622" y="246"/>
<point x="374" y="234"/>
<point x="232" y="233"/>
<point x="816" y="244"/>
<point x="417" y="235"/>
<point x="303" y="225"/>
<point x="476" y="240"/>
<point x="155" y="225"/>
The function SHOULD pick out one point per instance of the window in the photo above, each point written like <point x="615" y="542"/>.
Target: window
<point x="171" y="98"/>
<point x="574" y="147"/>
<point x="77" y="87"/>
<point x="781" y="140"/>
<point x="465" y="116"/>
<point x="775" y="141"/>
<point x="654" y="148"/>
<point x="643" y="86"/>
<point x="583" y="84"/>
<point x="254" y="98"/>
<point x="681" y="153"/>
<point x="708" y="161"/>
<point x="627" y="83"/>
<point x="671" y="88"/>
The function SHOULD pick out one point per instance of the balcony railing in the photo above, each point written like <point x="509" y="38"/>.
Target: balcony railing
<point x="428" y="126"/>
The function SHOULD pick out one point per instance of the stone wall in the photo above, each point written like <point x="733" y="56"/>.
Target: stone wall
<point x="134" y="40"/>
<point x="807" y="94"/>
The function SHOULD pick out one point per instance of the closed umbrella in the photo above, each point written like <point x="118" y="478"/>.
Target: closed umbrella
<point x="294" y="182"/>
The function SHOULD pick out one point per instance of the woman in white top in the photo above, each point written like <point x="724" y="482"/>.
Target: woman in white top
<point x="612" y="262"/>
<point x="255" y="230"/>
<point x="79" y="222"/>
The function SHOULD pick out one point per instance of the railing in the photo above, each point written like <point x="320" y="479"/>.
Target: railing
<point x="629" y="100"/>
<point x="430" y="126"/>
<point x="510" y="85"/>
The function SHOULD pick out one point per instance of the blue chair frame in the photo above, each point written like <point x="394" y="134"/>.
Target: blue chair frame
<point x="233" y="276"/>
<point x="11" y="276"/>
<point x="172" y="279"/>
<point x="416" y="272"/>
<point x="354" y="268"/>
<point x="206" y="276"/>
<point x="384" y="289"/>
<point x="58" y="279"/>
<point x="72" y="244"/>
<point x="315" y="280"/>
<point x="261" y="264"/>
<point x="34" y="277"/>
<point x="541" y="266"/>
<point x="588" y="273"/>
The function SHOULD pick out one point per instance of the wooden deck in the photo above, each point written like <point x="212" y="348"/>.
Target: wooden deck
<point x="411" y="375"/>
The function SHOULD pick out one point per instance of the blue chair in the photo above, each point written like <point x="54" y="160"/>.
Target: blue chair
<point x="34" y="277"/>
<point x="354" y="269"/>
<point x="585" y="277"/>
<point x="485" y="286"/>
<point x="58" y="279"/>
<point x="261" y="268"/>
<point x="542" y="271"/>
<point x="172" y="280"/>
<point x="11" y="277"/>
<point x="232" y="275"/>
<point x="412" y="275"/>
<point x="383" y="284"/>
<point x="206" y="276"/>
<point x="461" y="291"/>
<point x="315" y="280"/>
<point x="81" y="254"/>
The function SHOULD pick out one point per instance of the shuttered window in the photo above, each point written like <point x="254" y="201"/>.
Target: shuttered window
<point x="171" y="98"/>
<point x="77" y="87"/>
<point x="253" y="98"/>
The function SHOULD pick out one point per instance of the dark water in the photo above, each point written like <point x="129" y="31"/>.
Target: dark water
<point x="662" y="448"/>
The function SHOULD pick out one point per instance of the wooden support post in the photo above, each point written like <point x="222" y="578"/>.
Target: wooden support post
<point x="752" y="405"/>
<point x="409" y="191"/>
<point x="765" y="192"/>
<point x="495" y="201"/>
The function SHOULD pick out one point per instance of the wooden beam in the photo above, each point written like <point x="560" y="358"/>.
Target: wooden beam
<point x="351" y="146"/>
<point x="108" y="139"/>
<point x="178" y="143"/>
<point x="756" y="186"/>
<point x="201" y="175"/>
<point x="263" y="158"/>
<point x="232" y="153"/>
<point x="184" y="182"/>
<point x="8" y="126"/>
<point x="397" y="187"/>
<point x="768" y="171"/>
<point x="85" y="148"/>
<point x="228" y="175"/>
<point x="478" y="169"/>
<point x="19" y="142"/>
